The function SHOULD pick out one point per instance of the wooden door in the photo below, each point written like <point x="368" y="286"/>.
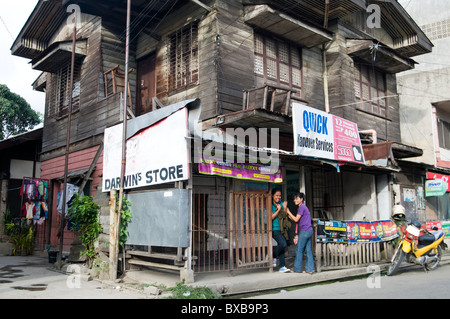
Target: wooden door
<point x="146" y="84"/>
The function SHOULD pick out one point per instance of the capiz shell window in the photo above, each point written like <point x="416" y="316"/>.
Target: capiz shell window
<point x="278" y="62"/>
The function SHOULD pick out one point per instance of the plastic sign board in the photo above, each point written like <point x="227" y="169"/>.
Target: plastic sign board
<point x="445" y="178"/>
<point x="322" y="135"/>
<point x="435" y="187"/>
<point x="155" y="155"/>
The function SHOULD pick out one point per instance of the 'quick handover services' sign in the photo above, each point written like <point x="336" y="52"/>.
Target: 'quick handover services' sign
<point x="322" y="135"/>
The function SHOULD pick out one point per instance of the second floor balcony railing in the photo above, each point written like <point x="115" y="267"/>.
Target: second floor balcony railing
<point x="273" y="98"/>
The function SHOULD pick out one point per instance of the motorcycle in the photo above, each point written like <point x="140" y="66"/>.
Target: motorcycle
<point x="418" y="246"/>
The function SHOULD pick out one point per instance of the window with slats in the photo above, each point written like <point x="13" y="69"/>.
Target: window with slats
<point x="59" y="97"/>
<point x="370" y="89"/>
<point x="183" y="57"/>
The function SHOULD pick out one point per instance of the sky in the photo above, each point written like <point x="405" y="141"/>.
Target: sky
<point x="16" y="72"/>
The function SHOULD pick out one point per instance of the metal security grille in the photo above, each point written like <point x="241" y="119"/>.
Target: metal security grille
<point x="210" y="243"/>
<point x="241" y="240"/>
<point x="327" y="190"/>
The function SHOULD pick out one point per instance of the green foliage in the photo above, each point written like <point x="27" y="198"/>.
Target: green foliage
<point x="20" y="232"/>
<point x="181" y="291"/>
<point x="125" y="218"/>
<point x="84" y="213"/>
<point x="16" y="115"/>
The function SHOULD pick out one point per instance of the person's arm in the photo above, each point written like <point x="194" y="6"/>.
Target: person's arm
<point x="291" y="216"/>
<point x="275" y="214"/>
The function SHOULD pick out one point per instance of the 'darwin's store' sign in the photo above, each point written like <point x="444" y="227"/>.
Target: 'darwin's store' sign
<point x="322" y="135"/>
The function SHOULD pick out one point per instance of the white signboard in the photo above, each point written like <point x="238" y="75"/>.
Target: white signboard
<point x="157" y="154"/>
<point x="323" y="135"/>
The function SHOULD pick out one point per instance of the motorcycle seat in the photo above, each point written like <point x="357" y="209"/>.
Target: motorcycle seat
<point x="429" y="238"/>
<point x="426" y="239"/>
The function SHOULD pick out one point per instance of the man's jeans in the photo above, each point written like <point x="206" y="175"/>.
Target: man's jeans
<point x="304" y="243"/>
<point x="282" y="244"/>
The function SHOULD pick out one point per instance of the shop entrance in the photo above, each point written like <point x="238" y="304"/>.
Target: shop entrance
<point x="230" y="232"/>
<point x="327" y="191"/>
<point x="250" y="231"/>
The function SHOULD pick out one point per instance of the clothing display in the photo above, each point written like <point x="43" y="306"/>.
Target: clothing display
<point x="34" y="193"/>
<point x="34" y="189"/>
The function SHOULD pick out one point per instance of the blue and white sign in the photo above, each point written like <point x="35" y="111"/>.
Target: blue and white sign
<point x="322" y="135"/>
<point x="313" y="132"/>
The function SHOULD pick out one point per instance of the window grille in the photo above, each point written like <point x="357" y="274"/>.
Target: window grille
<point x="183" y="57"/>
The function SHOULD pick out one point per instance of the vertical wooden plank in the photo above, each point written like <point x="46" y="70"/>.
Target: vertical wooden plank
<point x="258" y="226"/>
<point x="241" y="229"/>
<point x="318" y="256"/>
<point x="251" y="221"/>
<point x="230" y="213"/>
<point x="269" y="231"/>
<point x="236" y="228"/>
<point x="114" y="224"/>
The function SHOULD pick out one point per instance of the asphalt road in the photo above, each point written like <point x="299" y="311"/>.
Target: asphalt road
<point x="410" y="282"/>
<point x="33" y="278"/>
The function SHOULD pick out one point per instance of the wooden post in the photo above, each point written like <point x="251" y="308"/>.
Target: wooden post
<point x="114" y="226"/>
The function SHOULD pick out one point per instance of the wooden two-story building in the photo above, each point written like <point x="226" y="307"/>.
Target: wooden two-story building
<point x="247" y="61"/>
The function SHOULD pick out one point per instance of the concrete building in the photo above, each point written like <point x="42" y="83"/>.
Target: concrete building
<point x="424" y="95"/>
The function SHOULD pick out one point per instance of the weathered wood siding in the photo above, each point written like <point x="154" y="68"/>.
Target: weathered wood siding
<point x="95" y="112"/>
<point x="341" y="89"/>
<point x="206" y="89"/>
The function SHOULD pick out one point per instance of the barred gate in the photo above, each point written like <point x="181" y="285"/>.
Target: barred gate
<point x="251" y="230"/>
<point x="230" y="232"/>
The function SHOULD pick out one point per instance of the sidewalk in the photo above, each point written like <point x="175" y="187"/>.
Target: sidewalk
<point x="240" y="282"/>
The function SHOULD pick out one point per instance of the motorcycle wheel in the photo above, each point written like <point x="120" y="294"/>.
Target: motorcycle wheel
<point x="396" y="261"/>
<point x="435" y="264"/>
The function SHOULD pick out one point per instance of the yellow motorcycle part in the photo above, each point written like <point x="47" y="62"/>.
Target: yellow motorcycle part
<point x="419" y="252"/>
<point x="406" y="246"/>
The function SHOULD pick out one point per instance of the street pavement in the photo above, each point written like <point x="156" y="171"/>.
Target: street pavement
<point x="409" y="283"/>
<point x="31" y="277"/>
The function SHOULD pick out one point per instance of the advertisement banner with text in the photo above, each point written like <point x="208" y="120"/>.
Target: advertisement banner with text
<point x="323" y="135"/>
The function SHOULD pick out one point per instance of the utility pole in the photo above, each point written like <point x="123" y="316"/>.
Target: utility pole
<point x="69" y="125"/>
<point x="115" y="227"/>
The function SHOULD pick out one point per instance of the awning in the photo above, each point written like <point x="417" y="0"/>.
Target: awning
<point x="59" y="55"/>
<point x="301" y="32"/>
<point x="78" y="173"/>
<point x="379" y="55"/>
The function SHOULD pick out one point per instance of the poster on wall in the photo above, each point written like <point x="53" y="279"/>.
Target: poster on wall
<point x="331" y="231"/>
<point x="366" y="232"/>
<point x="322" y="135"/>
<point x="446" y="228"/>
<point x="445" y="178"/>
<point x="154" y="155"/>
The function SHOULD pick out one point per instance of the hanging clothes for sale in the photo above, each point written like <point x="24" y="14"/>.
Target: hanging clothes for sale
<point x="29" y="209"/>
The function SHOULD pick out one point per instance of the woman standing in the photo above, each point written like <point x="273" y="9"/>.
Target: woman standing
<point x="278" y="208"/>
<point x="305" y="229"/>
